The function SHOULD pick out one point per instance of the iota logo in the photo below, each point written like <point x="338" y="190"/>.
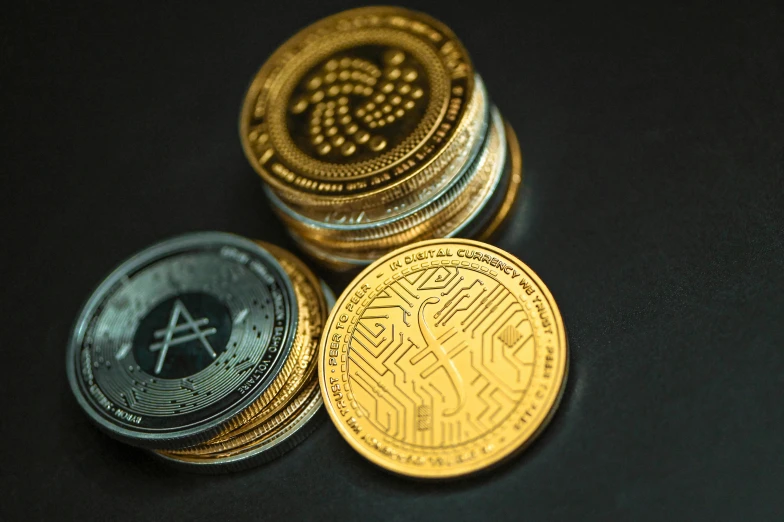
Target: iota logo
<point x="176" y="333"/>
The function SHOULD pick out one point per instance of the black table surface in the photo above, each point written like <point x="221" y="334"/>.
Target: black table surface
<point x="653" y="208"/>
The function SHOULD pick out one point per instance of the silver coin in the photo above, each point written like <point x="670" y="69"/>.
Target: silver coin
<point x="292" y="434"/>
<point x="181" y="338"/>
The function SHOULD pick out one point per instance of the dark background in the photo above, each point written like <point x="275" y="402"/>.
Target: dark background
<point x="653" y="137"/>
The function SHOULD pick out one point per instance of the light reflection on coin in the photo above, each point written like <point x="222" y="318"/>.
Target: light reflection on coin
<point x="358" y="218"/>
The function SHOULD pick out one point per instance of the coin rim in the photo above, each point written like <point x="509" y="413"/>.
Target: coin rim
<point x="438" y="473"/>
<point x="296" y="380"/>
<point x="292" y="433"/>
<point x="470" y="228"/>
<point x="515" y="181"/>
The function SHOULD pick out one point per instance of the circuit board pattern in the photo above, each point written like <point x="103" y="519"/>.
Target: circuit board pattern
<point x="441" y="357"/>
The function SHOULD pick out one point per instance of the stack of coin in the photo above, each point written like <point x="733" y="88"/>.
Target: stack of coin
<point x="203" y="348"/>
<point x="371" y="131"/>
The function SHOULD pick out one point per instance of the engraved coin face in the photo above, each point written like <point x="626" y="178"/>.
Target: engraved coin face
<point x="442" y="358"/>
<point x="180" y="338"/>
<point x="355" y="103"/>
<point x="288" y="416"/>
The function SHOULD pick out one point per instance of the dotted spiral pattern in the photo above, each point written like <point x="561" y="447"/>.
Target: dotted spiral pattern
<point x="448" y="168"/>
<point x="332" y="123"/>
<point x="278" y="100"/>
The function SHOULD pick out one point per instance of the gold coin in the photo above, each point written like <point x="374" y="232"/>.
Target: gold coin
<point x="449" y="166"/>
<point x="357" y="105"/>
<point x="443" y="358"/>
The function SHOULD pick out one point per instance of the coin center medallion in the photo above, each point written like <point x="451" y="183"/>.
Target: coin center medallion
<point x="358" y="103"/>
<point x="182" y="336"/>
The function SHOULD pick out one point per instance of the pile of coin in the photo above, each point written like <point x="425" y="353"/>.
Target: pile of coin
<point x="372" y="131"/>
<point x="378" y="145"/>
<point x="203" y="348"/>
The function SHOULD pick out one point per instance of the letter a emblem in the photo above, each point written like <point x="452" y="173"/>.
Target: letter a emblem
<point x="189" y="329"/>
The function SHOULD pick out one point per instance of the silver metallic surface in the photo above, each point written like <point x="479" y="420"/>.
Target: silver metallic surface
<point x="180" y="338"/>
<point x="292" y="434"/>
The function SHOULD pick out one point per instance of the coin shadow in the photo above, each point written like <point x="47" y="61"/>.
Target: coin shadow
<point x="116" y="469"/>
<point x="517" y="224"/>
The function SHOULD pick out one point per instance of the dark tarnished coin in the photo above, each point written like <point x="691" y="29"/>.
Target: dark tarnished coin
<point x="181" y="338"/>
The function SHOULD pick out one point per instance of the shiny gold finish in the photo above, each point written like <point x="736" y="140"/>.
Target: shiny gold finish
<point x="395" y="202"/>
<point x="434" y="219"/>
<point x="512" y="188"/>
<point x="443" y="358"/>
<point x="351" y="254"/>
<point x="357" y="106"/>
<point x="294" y="392"/>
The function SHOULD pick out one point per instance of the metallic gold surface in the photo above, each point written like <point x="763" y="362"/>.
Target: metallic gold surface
<point x="359" y="105"/>
<point x="358" y="215"/>
<point x="443" y="358"/>
<point x="512" y="188"/>
<point x="461" y="198"/>
<point x="353" y="255"/>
